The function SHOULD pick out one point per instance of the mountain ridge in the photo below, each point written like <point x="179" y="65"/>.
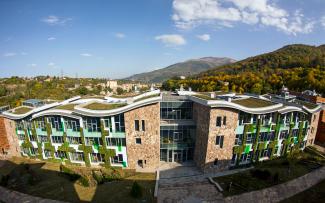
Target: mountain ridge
<point x="185" y="68"/>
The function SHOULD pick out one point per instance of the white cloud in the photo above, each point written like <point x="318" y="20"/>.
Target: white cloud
<point x="120" y="35"/>
<point x="55" y="20"/>
<point x="204" y="37"/>
<point x="171" y="39"/>
<point x="190" y="13"/>
<point x="51" y="38"/>
<point x="323" y="21"/>
<point x="9" y="54"/>
<point x="86" y="54"/>
<point x="52" y="64"/>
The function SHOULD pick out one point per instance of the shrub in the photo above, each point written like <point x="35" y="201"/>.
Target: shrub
<point x="136" y="190"/>
<point x="70" y="174"/>
<point x="98" y="177"/>
<point x="84" y="181"/>
<point x="261" y="174"/>
<point x="114" y="175"/>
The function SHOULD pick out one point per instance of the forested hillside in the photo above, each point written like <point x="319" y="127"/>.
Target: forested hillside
<point x="298" y="67"/>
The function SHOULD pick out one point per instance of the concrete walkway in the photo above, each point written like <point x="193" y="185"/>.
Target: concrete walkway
<point x="196" y="188"/>
<point x="10" y="196"/>
<point x="281" y="191"/>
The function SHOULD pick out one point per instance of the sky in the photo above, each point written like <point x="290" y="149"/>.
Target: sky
<point x="118" y="38"/>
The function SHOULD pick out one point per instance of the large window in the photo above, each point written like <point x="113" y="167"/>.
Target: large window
<point x="117" y="159"/>
<point x="244" y="118"/>
<point x="42" y="138"/>
<point x="96" y="157"/>
<point x="60" y="154"/>
<point x="19" y="125"/>
<point x="77" y="156"/>
<point x="74" y="140"/>
<point x="72" y="124"/>
<point x="56" y="123"/>
<point x="40" y="123"/>
<point x="47" y="153"/>
<point x="171" y="135"/>
<point x="176" y="110"/>
<point x="115" y="141"/>
<point x="266" y="136"/>
<point x="218" y="124"/>
<point x="57" y="139"/>
<point x="93" y="141"/>
<point x="284" y="134"/>
<point x="21" y="136"/>
<point x="92" y="124"/>
<point x="119" y="123"/>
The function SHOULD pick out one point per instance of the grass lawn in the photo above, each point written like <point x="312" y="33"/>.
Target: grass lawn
<point x="253" y="102"/>
<point x="269" y="173"/>
<point x="314" y="194"/>
<point x="44" y="180"/>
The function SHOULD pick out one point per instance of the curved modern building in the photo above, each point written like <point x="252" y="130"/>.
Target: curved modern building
<point x="215" y="130"/>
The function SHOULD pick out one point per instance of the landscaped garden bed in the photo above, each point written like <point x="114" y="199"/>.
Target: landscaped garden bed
<point x="74" y="183"/>
<point x="269" y="173"/>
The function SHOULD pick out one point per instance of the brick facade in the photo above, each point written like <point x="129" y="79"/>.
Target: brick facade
<point x="149" y="149"/>
<point x="8" y="140"/>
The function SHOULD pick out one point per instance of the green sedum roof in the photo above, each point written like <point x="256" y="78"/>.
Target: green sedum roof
<point x="21" y="110"/>
<point x="253" y="102"/>
<point x="103" y="106"/>
<point x="69" y="107"/>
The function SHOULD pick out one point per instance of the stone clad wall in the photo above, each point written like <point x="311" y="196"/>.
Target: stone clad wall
<point x="9" y="145"/>
<point x="214" y="151"/>
<point x="201" y="115"/>
<point x="149" y="149"/>
<point x="320" y="136"/>
<point x="314" y="125"/>
<point x="206" y="150"/>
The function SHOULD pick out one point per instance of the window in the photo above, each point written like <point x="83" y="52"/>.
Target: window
<point x="176" y="110"/>
<point x="138" y="140"/>
<point x="92" y="124"/>
<point x="233" y="159"/>
<point x="295" y="132"/>
<point x="77" y="156"/>
<point x="42" y="138"/>
<point x="72" y="124"/>
<point x="115" y="141"/>
<point x="314" y="117"/>
<point x="219" y="140"/>
<point x="20" y="125"/>
<point x="107" y="123"/>
<point x="96" y="157"/>
<point x="32" y="138"/>
<point x="93" y="141"/>
<point x="119" y="123"/>
<point x="56" y="123"/>
<point x="238" y="139"/>
<point x="224" y="120"/>
<point x="136" y="125"/>
<point x="254" y="119"/>
<point x="244" y="118"/>
<point x="60" y="154"/>
<point x="33" y="151"/>
<point x="47" y="153"/>
<point x="74" y="140"/>
<point x="266" y="153"/>
<point x="40" y="124"/>
<point x="218" y="124"/>
<point x="143" y="126"/>
<point x="57" y="139"/>
<point x="284" y="134"/>
<point x="250" y="138"/>
<point x="215" y="163"/>
<point x="117" y="159"/>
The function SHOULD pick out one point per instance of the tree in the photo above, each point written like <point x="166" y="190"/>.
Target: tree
<point x="119" y="90"/>
<point x="83" y="91"/>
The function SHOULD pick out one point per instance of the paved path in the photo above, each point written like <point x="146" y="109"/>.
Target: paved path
<point x="187" y="184"/>
<point x="196" y="188"/>
<point x="10" y="196"/>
